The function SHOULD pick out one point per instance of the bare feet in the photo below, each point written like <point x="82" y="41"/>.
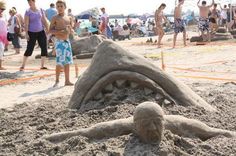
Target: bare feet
<point x="56" y="84"/>
<point x="2" y="68"/>
<point x="69" y="84"/>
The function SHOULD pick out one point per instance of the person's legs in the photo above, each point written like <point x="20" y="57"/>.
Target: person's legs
<point x="184" y="37"/>
<point x="203" y="35"/>
<point x="208" y="36"/>
<point x="2" y="47"/>
<point x="67" y="75"/>
<point x="174" y="40"/>
<point x="16" y="43"/>
<point x="6" y="47"/>
<point x="43" y="58"/>
<point x="1" y="68"/>
<point x="42" y="40"/>
<point x="76" y="70"/>
<point x="58" y="70"/>
<point x="23" y="63"/>
<point x="29" y="49"/>
<point x="160" y="36"/>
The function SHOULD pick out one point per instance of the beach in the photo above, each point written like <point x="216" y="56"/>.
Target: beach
<point x="30" y="107"/>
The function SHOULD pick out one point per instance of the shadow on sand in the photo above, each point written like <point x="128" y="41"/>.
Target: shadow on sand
<point x="42" y="92"/>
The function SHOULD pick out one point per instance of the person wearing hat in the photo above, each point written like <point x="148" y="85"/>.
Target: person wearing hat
<point x="3" y="32"/>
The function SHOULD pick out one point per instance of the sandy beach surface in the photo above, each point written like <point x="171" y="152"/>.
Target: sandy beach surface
<point x="30" y="107"/>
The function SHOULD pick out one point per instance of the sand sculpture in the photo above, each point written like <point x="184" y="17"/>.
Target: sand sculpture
<point x="148" y="123"/>
<point x="113" y="67"/>
<point x="86" y="44"/>
<point x="220" y="35"/>
<point x="83" y="47"/>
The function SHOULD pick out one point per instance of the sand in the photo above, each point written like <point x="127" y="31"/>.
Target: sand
<point x="33" y="108"/>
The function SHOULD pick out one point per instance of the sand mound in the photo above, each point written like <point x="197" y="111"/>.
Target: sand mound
<point x="23" y="126"/>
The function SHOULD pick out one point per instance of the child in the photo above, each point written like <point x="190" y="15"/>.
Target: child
<point x="62" y="26"/>
<point x="179" y="25"/>
<point x="203" y="24"/>
<point x="3" y="32"/>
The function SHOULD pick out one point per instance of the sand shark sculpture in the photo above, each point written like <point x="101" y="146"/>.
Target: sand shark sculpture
<point x="113" y="67"/>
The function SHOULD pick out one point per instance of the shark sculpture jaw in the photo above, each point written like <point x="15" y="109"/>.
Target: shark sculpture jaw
<point x="112" y="66"/>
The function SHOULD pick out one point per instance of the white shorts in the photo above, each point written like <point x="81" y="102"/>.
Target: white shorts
<point x="2" y="47"/>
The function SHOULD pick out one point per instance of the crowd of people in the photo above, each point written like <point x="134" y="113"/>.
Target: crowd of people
<point x="210" y="18"/>
<point x="39" y="25"/>
<point x="54" y="25"/>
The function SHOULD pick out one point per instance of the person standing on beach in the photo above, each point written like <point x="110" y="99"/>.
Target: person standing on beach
<point x="35" y="26"/>
<point x="50" y="12"/>
<point x="203" y="23"/>
<point x="128" y="22"/>
<point x="104" y="22"/>
<point x="214" y="15"/>
<point x="62" y="26"/>
<point x="3" y="32"/>
<point x="12" y="24"/>
<point x="179" y="25"/>
<point x="159" y="16"/>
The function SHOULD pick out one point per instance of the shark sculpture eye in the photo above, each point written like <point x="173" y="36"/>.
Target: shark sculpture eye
<point x="113" y="67"/>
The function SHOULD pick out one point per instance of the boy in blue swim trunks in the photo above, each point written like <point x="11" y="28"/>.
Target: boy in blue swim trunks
<point x="179" y="25"/>
<point x="62" y="26"/>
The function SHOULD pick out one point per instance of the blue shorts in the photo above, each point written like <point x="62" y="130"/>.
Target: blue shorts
<point x="63" y="52"/>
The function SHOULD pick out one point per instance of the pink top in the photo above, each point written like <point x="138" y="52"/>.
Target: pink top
<point x="3" y="31"/>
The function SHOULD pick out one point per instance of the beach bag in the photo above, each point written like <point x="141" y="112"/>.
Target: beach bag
<point x="10" y="36"/>
<point x="19" y="30"/>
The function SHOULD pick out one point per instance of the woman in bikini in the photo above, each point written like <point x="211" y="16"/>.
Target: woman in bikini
<point x="159" y="16"/>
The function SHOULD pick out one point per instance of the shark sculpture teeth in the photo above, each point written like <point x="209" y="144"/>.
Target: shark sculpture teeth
<point x="113" y="64"/>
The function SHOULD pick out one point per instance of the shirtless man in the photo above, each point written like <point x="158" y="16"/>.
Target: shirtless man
<point x="159" y="16"/>
<point x="62" y="26"/>
<point x="203" y="23"/>
<point x="179" y="25"/>
<point x="223" y="15"/>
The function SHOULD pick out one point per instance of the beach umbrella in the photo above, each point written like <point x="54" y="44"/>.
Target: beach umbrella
<point x="87" y="13"/>
<point x="145" y="16"/>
